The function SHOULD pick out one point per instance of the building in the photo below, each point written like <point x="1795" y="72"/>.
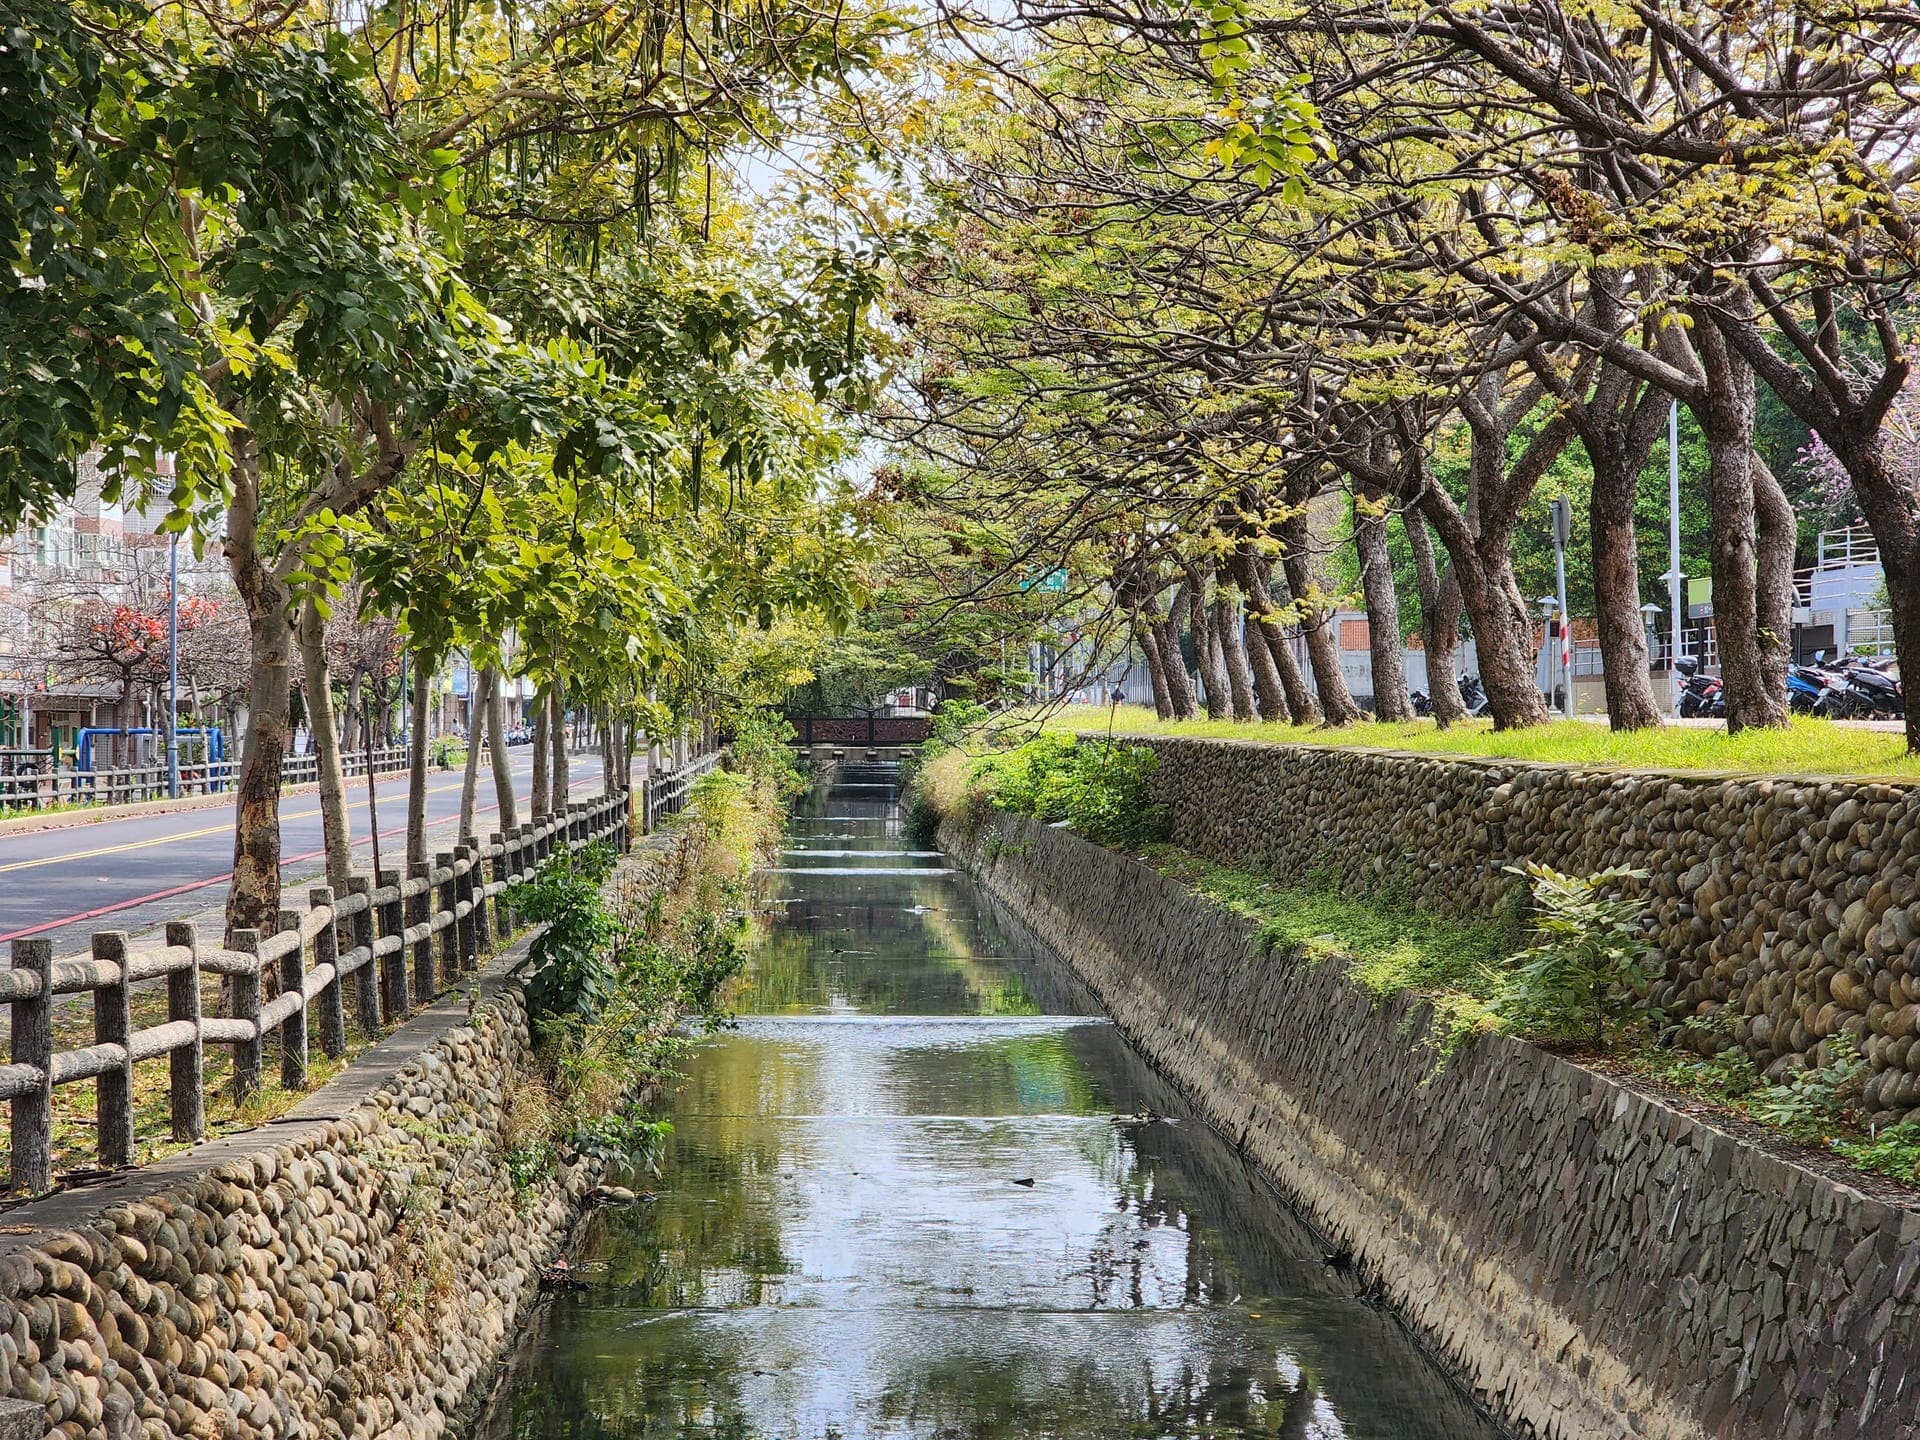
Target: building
<point x="49" y="569"/>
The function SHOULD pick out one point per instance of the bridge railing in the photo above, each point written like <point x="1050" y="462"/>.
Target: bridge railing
<point x="870" y="730"/>
<point x="397" y="938"/>
<point x="40" y="789"/>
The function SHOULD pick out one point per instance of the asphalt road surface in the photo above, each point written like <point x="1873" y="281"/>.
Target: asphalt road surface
<point x="134" y="874"/>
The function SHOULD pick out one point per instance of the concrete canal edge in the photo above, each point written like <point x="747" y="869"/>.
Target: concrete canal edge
<point x="357" y="1267"/>
<point x="1593" y="1262"/>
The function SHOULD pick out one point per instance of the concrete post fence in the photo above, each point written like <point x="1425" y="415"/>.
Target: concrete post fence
<point x="361" y="936"/>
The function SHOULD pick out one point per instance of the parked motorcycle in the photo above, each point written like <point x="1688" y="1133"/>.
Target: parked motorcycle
<point x="1807" y="687"/>
<point x="1862" y="690"/>
<point x="1701" y="696"/>
<point x="1472" y="697"/>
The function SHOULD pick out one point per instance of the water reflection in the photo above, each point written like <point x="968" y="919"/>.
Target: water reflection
<point x="924" y="1190"/>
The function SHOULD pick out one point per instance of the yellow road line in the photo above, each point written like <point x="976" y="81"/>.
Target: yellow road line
<point x="180" y="835"/>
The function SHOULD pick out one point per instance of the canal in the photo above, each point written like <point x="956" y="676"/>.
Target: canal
<point x="923" y="1189"/>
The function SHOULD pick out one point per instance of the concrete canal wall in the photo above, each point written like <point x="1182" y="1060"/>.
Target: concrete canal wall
<point x="352" y="1269"/>
<point x="1793" y="905"/>
<point x="1595" y="1263"/>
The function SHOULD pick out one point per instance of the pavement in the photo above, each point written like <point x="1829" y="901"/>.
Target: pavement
<point x="137" y="872"/>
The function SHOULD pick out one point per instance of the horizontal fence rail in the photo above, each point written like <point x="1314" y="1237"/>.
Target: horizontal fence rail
<point x="397" y="938"/>
<point x="35" y="789"/>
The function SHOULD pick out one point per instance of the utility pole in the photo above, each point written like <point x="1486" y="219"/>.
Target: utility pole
<point x="1676" y="601"/>
<point x="173" y="669"/>
<point x="1562" y="533"/>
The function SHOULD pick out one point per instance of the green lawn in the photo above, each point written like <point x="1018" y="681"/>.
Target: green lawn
<point x="1809" y="747"/>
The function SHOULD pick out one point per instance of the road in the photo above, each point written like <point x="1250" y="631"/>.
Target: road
<point x="134" y="874"/>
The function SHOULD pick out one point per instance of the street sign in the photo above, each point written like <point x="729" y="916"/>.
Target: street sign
<point x="1054" y="582"/>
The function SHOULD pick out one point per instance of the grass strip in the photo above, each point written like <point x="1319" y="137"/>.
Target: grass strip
<point x="1808" y="746"/>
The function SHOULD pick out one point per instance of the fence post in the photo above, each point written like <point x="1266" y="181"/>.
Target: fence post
<point x="246" y="1006"/>
<point x="466" y="931"/>
<point x="33" y="1045"/>
<point x="328" y="1005"/>
<point x="444" y="896"/>
<point x="393" y="965"/>
<point x="502" y="918"/>
<point x="112" y="1025"/>
<point x="420" y="912"/>
<point x="187" y="1097"/>
<point x="366" y="986"/>
<point x="293" y="1030"/>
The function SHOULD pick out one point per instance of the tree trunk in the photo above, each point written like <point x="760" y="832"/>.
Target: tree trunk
<point x="478" y="710"/>
<point x="1752" y="651"/>
<point x="1482" y="571"/>
<point x="540" y="801"/>
<point x="1776" y="533"/>
<point x="311" y="633"/>
<point x="1156" y="670"/>
<point x="1179" y="685"/>
<point x="1206" y="651"/>
<point x="1323" y="645"/>
<point x="1616" y="594"/>
<point x="557" y="729"/>
<point x="502" y="763"/>
<point x="1386" y="650"/>
<point x="1233" y="653"/>
<point x="1503" y="635"/>
<point x="1302" y="709"/>
<point x="417" y="764"/>
<point x="1269" y="694"/>
<point x="1439" y="621"/>
<point x="253" y="898"/>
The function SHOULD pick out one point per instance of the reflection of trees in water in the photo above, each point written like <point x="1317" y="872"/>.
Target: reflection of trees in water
<point x="1253" y="1244"/>
<point x="591" y="1390"/>
<point x="838" y="940"/>
<point x="1230" y="1398"/>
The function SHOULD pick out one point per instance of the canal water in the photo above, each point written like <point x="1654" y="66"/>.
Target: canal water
<point x="924" y="1190"/>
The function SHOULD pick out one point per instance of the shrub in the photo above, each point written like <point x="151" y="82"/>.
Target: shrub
<point x="569" y="967"/>
<point x="1587" y="969"/>
<point x="952" y="719"/>
<point x="762" y="747"/>
<point x="1100" y="788"/>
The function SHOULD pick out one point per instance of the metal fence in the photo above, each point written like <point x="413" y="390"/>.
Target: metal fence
<point x="398" y="941"/>
<point x="26" y="789"/>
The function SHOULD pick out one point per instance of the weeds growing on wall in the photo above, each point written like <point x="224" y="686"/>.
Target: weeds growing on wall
<point x="1583" y="978"/>
<point x="1564" y="965"/>
<point x="630" y="964"/>
<point x="1102" y="790"/>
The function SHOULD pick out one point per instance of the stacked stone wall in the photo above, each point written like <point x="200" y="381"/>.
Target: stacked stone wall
<point x="1595" y="1263"/>
<point x="352" y="1270"/>
<point x="1792" y="905"/>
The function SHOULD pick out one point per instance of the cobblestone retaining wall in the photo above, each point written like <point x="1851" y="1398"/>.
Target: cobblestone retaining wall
<point x="1595" y="1263"/>
<point x="352" y="1270"/>
<point x="1793" y="904"/>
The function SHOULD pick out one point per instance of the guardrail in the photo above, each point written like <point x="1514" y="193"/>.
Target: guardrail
<point x="33" y="790"/>
<point x="434" y="916"/>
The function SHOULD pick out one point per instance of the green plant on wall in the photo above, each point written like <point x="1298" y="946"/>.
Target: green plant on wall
<point x="569" y="967"/>
<point x="1101" y="788"/>
<point x="1584" y="976"/>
